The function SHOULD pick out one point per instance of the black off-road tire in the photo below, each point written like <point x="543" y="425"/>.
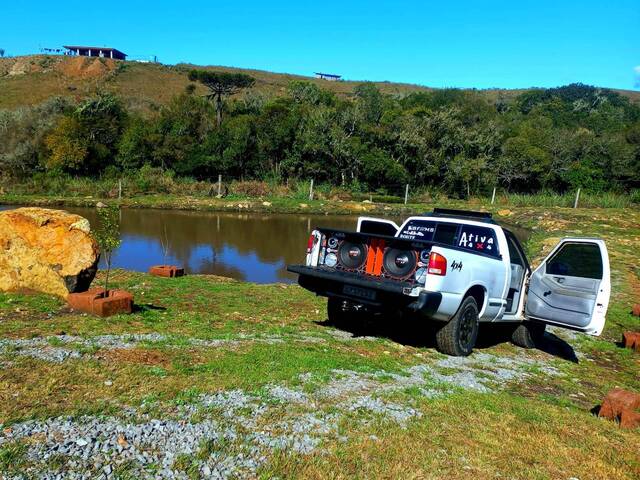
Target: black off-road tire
<point x="458" y="336"/>
<point x="528" y="334"/>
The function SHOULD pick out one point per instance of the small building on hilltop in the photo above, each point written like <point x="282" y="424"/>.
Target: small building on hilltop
<point x="102" y="52"/>
<point x="328" y="76"/>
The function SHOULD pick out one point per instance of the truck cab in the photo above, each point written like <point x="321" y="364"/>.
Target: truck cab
<point x="459" y="269"/>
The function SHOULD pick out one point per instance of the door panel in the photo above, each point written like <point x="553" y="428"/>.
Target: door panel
<point x="548" y="300"/>
<point x="571" y="287"/>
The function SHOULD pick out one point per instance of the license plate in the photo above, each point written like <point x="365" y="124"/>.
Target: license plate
<point x="359" y="292"/>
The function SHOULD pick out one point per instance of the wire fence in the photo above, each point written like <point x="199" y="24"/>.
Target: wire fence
<point x="158" y="183"/>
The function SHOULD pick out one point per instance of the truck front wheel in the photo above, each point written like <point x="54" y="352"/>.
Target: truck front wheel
<point x="528" y="334"/>
<point x="458" y="336"/>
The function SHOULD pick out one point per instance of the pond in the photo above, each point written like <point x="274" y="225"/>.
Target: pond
<point x="246" y="246"/>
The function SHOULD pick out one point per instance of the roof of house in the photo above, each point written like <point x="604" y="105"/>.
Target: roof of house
<point x="84" y="47"/>
<point x="328" y="75"/>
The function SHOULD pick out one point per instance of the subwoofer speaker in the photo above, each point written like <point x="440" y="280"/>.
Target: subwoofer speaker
<point x="399" y="263"/>
<point x="352" y="255"/>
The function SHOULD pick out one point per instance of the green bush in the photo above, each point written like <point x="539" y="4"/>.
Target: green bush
<point x="449" y="142"/>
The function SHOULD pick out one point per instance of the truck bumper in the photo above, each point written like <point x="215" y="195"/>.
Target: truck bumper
<point x="375" y="292"/>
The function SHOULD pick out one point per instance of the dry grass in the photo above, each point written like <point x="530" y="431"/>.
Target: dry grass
<point x="145" y="85"/>
<point x="142" y="86"/>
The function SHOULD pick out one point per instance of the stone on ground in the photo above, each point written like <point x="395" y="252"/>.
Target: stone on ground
<point x="617" y="401"/>
<point x="631" y="340"/>
<point x="46" y="250"/>
<point x="630" y="419"/>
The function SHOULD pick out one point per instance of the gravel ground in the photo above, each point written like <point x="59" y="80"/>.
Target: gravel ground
<point x="58" y="348"/>
<point x="244" y="428"/>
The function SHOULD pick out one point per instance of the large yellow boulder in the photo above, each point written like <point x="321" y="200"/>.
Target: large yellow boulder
<point x="46" y="250"/>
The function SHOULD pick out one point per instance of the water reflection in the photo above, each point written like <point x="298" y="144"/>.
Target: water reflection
<point x="250" y="247"/>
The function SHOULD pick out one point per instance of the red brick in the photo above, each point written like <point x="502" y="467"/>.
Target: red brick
<point x="95" y="302"/>
<point x="629" y="418"/>
<point x="631" y="340"/>
<point x="84" y="300"/>
<point x="618" y="400"/>
<point x="166" y="271"/>
<point x="636" y="310"/>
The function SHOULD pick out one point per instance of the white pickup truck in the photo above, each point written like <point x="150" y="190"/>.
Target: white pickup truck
<point x="458" y="268"/>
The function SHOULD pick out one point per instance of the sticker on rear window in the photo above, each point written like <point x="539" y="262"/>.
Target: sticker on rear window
<point x="418" y="230"/>
<point x="478" y="239"/>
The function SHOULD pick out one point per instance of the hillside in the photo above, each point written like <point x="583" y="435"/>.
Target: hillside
<point x="30" y="80"/>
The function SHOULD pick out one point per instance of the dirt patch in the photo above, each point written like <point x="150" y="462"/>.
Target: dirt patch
<point x="135" y="355"/>
<point x="22" y="66"/>
<point x="86" y="67"/>
<point x="28" y="64"/>
<point x="602" y="360"/>
<point x="5" y="66"/>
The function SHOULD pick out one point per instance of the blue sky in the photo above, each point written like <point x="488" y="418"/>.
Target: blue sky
<point x="482" y="44"/>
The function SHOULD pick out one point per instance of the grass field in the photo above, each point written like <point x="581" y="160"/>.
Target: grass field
<point x="213" y="376"/>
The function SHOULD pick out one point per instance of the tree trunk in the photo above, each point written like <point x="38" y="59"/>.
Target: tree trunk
<point x="106" y="279"/>
<point x="219" y="109"/>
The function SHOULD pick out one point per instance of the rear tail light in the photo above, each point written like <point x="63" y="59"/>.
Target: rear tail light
<point x="437" y="264"/>
<point x="310" y="242"/>
<point x="313" y="249"/>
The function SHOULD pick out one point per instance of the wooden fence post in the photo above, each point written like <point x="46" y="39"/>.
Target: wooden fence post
<point x="406" y="194"/>
<point x="219" y="185"/>
<point x="120" y="189"/>
<point x="493" y="197"/>
<point x="311" y="190"/>
<point x="575" y="204"/>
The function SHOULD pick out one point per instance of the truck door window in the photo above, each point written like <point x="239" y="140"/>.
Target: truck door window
<point x="576" y="260"/>
<point x="446" y="233"/>
<point x="514" y="253"/>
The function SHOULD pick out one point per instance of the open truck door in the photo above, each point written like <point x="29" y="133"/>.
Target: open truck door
<point x="571" y="287"/>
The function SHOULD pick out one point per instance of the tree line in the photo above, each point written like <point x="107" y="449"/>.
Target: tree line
<point x="457" y="141"/>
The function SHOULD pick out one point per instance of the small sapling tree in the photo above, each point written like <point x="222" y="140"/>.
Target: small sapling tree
<point x="108" y="236"/>
<point x="221" y="84"/>
<point x="164" y="242"/>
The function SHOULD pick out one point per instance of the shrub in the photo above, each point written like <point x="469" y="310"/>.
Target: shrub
<point x="251" y="188"/>
<point x="153" y="180"/>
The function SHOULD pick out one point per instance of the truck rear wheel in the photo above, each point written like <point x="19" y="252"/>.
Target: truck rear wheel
<point x="337" y="311"/>
<point x="458" y="336"/>
<point x="528" y="334"/>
